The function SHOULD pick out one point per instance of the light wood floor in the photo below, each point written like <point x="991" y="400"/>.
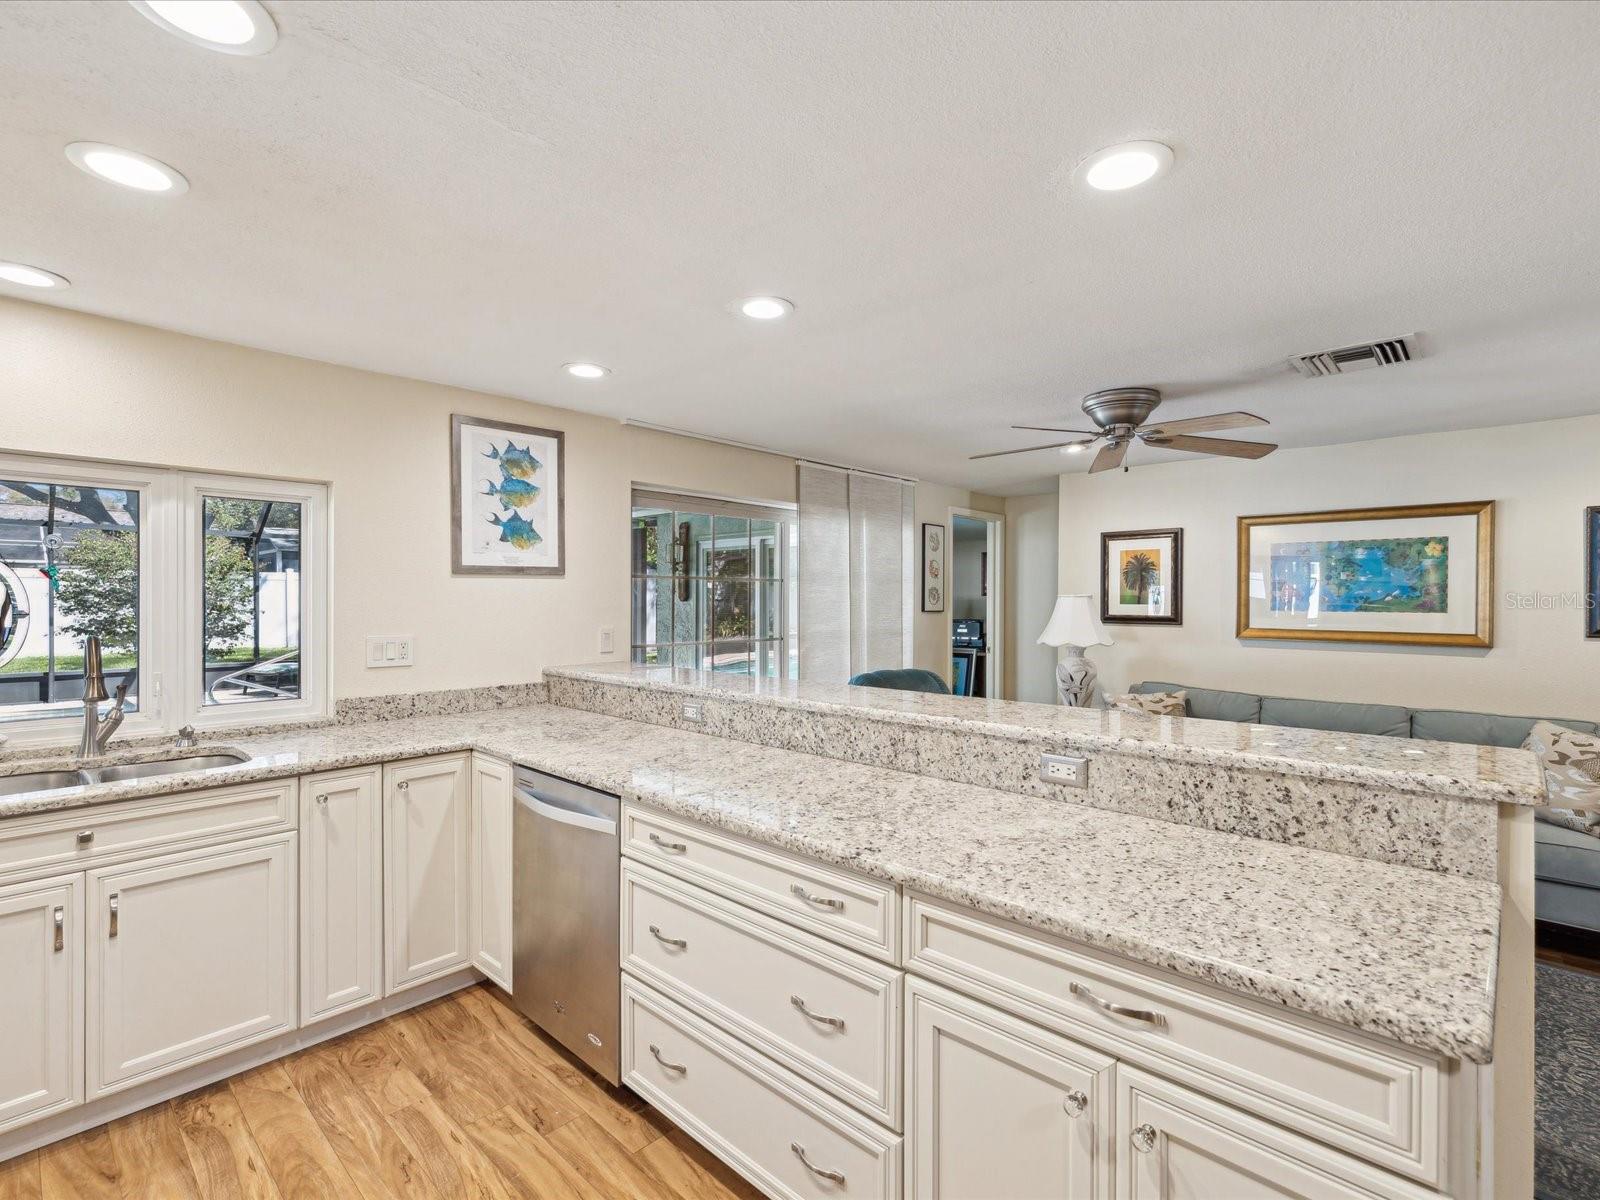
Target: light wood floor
<point x="461" y="1098"/>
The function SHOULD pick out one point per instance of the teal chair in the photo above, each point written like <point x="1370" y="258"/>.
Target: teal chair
<point x="901" y="679"/>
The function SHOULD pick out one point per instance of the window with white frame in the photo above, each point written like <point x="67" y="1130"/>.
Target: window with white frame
<point x="713" y="584"/>
<point x="208" y="595"/>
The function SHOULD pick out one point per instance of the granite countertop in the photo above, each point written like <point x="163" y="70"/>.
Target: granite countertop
<point x="1455" y="769"/>
<point x="1395" y="951"/>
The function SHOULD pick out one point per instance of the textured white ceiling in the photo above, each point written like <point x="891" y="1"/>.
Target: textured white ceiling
<point x="476" y="193"/>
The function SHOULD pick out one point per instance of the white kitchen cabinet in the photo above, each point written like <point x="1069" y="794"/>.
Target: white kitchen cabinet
<point x="427" y="874"/>
<point x="189" y="956"/>
<point x="1001" y="1109"/>
<point x="1174" y="1144"/>
<point x="490" y="869"/>
<point x="341" y="892"/>
<point x="41" y="1004"/>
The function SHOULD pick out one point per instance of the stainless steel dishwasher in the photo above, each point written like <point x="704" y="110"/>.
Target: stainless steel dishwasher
<point x="566" y="964"/>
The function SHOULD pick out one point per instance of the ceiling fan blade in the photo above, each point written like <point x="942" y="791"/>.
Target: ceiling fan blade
<point x="1231" y="420"/>
<point x="1223" y="446"/>
<point x="1109" y="458"/>
<point x="1026" y="450"/>
<point x="1053" y="429"/>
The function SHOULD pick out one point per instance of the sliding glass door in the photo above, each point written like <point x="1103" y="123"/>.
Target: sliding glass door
<point x="713" y="585"/>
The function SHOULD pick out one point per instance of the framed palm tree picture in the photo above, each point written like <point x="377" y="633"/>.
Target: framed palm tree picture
<point x="1141" y="577"/>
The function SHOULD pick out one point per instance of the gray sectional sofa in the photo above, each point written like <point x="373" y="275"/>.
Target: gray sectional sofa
<point x="1566" y="863"/>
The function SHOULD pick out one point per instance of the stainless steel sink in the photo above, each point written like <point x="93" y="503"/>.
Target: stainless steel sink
<point x="41" y="781"/>
<point x="165" y="766"/>
<point x="49" y="781"/>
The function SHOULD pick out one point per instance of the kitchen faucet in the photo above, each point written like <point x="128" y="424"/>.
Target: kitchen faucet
<point x="97" y="730"/>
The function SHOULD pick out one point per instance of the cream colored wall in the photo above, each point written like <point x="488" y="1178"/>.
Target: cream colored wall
<point x="1030" y="596"/>
<point x="1542" y="475"/>
<point x="931" y="631"/>
<point x="90" y="387"/>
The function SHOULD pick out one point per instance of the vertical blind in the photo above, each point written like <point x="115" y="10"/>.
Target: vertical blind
<point x="856" y="576"/>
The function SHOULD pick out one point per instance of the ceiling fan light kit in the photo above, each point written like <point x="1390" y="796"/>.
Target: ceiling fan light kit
<point x="1123" y="417"/>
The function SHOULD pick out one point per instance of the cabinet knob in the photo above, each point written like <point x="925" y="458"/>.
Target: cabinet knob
<point x="1076" y="1103"/>
<point x="85" y="837"/>
<point x="323" y="800"/>
<point x="1144" y="1138"/>
<point x="401" y="786"/>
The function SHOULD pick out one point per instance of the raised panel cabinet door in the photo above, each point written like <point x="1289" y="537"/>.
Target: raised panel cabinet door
<point x="341" y="892"/>
<point x="490" y="869"/>
<point x="999" y="1109"/>
<point x="426" y="871"/>
<point x="189" y="956"/>
<point x="41" y="1003"/>
<point x="1173" y="1144"/>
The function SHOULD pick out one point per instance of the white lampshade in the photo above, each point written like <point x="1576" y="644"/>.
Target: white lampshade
<point x="1073" y="623"/>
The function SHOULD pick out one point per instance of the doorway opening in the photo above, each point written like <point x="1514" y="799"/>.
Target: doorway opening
<point x="974" y="585"/>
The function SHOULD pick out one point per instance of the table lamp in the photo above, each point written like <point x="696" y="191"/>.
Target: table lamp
<point x="1074" y="627"/>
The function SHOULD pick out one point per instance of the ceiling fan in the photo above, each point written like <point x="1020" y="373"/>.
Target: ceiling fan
<point x="1122" y="413"/>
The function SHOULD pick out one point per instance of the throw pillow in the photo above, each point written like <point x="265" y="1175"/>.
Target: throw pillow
<point x="1568" y="758"/>
<point x="1156" y="704"/>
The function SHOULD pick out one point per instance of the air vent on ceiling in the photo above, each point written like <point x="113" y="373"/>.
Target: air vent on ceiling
<point x="1353" y="358"/>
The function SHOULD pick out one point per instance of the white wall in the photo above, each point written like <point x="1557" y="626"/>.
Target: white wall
<point x="1030" y="596"/>
<point x="1542" y="475"/>
<point x="96" y="388"/>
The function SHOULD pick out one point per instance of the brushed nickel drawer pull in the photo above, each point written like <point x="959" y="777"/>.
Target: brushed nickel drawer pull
<point x="833" y="1022"/>
<point x="1144" y="1138"/>
<point x="116" y="917"/>
<point x="85" y="837"/>
<point x="1120" y="1010"/>
<point x="675" y="847"/>
<point x="819" y="901"/>
<point x="678" y="1067"/>
<point x="1076" y="1103"/>
<point x="60" y="920"/>
<point x="666" y="941"/>
<point x="830" y="1176"/>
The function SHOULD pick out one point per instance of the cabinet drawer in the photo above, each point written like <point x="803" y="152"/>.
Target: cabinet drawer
<point x="850" y="909"/>
<point x="1376" y="1099"/>
<point x="754" y="1115"/>
<point x="829" y="1014"/>
<point x="1176" y="1145"/>
<point x="105" y="832"/>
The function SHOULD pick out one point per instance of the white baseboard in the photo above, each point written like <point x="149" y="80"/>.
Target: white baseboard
<point x="108" y="1108"/>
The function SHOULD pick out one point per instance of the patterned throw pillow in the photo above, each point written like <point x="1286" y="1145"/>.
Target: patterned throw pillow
<point x="1569" y="760"/>
<point x="1156" y="704"/>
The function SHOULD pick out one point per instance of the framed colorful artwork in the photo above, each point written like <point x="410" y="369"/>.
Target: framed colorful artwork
<point x="1141" y="577"/>
<point x="933" y="540"/>
<point x="1419" y="575"/>
<point x="507" y="498"/>
<point x="1591" y="572"/>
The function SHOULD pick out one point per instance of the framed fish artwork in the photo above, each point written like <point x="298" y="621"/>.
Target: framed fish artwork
<point x="507" y="498"/>
<point x="1418" y="575"/>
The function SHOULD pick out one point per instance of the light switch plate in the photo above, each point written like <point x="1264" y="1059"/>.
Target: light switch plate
<point x="390" y="651"/>
<point x="1064" y="769"/>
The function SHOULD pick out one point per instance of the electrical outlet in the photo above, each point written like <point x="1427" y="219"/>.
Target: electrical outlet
<point x="693" y="712"/>
<point x="1064" y="769"/>
<point x="608" y="639"/>
<point x="390" y="651"/>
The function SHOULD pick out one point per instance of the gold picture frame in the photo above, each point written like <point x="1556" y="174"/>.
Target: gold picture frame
<point x="1252" y="594"/>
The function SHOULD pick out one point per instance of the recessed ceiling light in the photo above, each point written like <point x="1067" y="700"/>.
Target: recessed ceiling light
<point x="587" y="370"/>
<point x="31" y="276"/>
<point x="231" y="26"/>
<point x="127" y="167"/>
<point x="1128" y="165"/>
<point x="766" y="308"/>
